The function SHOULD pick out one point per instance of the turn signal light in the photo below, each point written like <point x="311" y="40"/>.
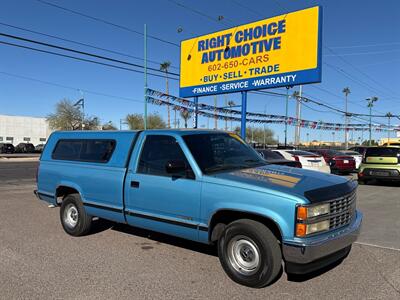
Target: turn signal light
<point x="301" y="213"/>
<point x="301" y="229"/>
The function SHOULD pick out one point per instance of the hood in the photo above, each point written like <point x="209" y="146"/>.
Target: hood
<point x="289" y="181"/>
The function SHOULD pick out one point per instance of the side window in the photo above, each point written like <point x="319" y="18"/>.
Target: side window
<point x="157" y="151"/>
<point x="90" y="150"/>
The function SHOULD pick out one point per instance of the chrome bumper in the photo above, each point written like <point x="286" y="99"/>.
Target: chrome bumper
<point x="306" y="251"/>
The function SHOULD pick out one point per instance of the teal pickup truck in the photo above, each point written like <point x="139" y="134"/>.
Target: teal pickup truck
<point x="206" y="186"/>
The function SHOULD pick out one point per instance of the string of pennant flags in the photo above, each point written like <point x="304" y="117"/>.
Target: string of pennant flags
<point x="180" y="104"/>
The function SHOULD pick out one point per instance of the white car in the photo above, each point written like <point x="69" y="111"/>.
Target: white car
<point x="308" y="160"/>
<point x="357" y="156"/>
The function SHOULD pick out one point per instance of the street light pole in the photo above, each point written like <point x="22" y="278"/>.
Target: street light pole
<point x="370" y="105"/>
<point x="346" y="92"/>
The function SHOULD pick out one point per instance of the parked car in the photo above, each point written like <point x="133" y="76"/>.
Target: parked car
<point x="339" y="163"/>
<point x="380" y="163"/>
<point x="39" y="148"/>
<point x="25" y="148"/>
<point x="308" y="160"/>
<point x="202" y="185"/>
<point x="357" y="156"/>
<point x="359" y="149"/>
<point x="6" y="148"/>
<point x="277" y="158"/>
<point x="391" y="144"/>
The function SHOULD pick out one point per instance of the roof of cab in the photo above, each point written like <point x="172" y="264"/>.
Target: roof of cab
<point x="181" y="131"/>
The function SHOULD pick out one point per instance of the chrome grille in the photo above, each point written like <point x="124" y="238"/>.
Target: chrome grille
<point x="342" y="210"/>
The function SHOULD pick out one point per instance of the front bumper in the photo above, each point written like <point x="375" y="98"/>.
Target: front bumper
<point x="307" y="251"/>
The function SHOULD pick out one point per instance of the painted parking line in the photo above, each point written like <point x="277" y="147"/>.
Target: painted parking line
<point x="377" y="246"/>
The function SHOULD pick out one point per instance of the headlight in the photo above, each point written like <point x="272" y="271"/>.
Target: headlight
<point x="305" y="212"/>
<point x="305" y="225"/>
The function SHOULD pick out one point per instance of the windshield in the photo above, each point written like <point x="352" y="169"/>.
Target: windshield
<point x="350" y="153"/>
<point x="221" y="151"/>
<point x="301" y="153"/>
<point x="268" y="154"/>
<point x="383" y="152"/>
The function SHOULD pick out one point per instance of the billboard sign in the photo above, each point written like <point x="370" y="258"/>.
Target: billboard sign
<point x="280" y="51"/>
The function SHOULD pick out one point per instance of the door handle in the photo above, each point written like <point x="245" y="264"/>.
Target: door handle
<point x="135" y="184"/>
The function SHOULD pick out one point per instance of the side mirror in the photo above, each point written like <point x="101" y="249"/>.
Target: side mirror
<point x="175" y="166"/>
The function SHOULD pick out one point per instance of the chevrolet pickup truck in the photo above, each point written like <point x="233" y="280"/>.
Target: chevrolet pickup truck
<point x="206" y="186"/>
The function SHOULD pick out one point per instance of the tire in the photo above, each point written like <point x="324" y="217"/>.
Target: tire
<point x="74" y="219"/>
<point x="249" y="253"/>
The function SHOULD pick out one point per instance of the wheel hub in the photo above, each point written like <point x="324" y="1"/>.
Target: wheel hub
<point x="71" y="216"/>
<point x="244" y="255"/>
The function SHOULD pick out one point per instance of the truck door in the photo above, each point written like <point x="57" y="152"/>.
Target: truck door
<point x="158" y="200"/>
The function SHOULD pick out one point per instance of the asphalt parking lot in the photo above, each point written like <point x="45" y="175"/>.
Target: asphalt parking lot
<point x="38" y="260"/>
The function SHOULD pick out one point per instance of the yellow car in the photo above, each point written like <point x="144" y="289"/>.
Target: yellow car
<point x="380" y="163"/>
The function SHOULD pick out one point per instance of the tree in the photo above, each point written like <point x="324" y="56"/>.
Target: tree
<point x="69" y="117"/>
<point x="257" y="135"/>
<point x="230" y="104"/>
<point x="164" y="67"/>
<point x="108" y="126"/>
<point x="185" y="114"/>
<point x="136" y="122"/>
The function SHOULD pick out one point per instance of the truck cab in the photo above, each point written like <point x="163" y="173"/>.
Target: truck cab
<point x="206" y="186"/>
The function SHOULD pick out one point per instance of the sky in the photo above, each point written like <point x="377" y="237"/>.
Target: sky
<point x="361" y="50"/>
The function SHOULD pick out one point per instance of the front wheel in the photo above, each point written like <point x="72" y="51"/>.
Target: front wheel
<point x="249" y="253"/>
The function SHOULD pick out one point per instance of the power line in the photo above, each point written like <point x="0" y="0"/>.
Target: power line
<point x="360" y="71"/>
<point x="81" y="59"/>
<point x="198" y="12"/>
<point x="69" y="87"/>
<point x="80" y="52"/>
<point x="80" y="43"/>
<point x="365" y="46"/>
<point x="363" y="53"/>
<point x="107" y="22"/>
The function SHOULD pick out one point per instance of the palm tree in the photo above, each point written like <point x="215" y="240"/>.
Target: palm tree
<point x="230" y="104"/>
<point x="164" y="67"/>
<point x="346" y="92"/>
<point x="185" y="114"/>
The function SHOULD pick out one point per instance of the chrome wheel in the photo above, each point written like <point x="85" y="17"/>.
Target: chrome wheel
<point x="244" y="255"/>
<point x="71" y="216"/>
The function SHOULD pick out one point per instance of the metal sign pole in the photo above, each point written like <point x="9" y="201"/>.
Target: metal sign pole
<point x="243" y="121"/>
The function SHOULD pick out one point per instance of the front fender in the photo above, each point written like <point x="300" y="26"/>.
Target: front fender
<point x="280" y="210"/>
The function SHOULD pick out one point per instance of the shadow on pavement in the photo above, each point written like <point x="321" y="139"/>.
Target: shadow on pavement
<point x="311" y="275"/>
<point x="163" y="238"/>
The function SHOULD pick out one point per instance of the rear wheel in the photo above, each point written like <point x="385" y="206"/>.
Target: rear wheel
<point x="74" y="219"/>
<point x="249" y="253"/>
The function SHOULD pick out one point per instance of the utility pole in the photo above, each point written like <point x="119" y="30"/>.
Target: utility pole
<point x="298" y="115"/>
<point x="215" y="113"/>
<point x="265" y="138"/>
<point x="346" y="92"/>
<point x="145" y="77"/>
<point x="370" y="105"/>
<point x="286" y="113"/>
<point x="226" y="120"/>
<point x="389" y="115"/>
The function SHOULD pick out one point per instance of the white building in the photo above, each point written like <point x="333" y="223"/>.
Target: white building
<point x="19" y="129"/>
